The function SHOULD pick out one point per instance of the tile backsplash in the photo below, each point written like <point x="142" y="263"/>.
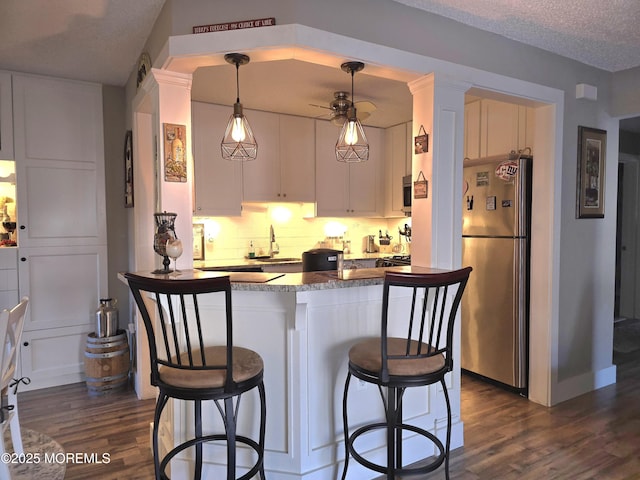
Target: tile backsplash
<point x="295" y="229"/>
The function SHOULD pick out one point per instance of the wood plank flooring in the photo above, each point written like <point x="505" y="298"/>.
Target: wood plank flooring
<point x="506" y="437"/>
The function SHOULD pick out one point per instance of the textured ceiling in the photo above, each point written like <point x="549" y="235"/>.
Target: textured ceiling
<point x="603" y="34"/>
<point x="100" y="41"/>
<point x="92" y="40"/>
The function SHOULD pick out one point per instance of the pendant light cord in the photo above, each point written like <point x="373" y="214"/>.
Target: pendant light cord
<point x="237" y="82"/>
<point x="353" y="100"/>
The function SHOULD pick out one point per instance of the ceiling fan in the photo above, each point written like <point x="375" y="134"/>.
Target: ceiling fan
<point x="340" y="105"/>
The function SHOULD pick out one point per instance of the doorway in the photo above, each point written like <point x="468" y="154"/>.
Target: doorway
<point x="627" y="297"/>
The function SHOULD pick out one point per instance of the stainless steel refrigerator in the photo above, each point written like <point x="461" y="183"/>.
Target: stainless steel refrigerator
<point x="495" y="242"/>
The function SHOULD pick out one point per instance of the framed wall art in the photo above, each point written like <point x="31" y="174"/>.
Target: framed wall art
<point x="128" y="169"/>
<point x="592" y="146"/>
<point x="175" y="146"/>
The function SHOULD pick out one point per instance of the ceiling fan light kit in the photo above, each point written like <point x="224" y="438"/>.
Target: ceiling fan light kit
<point x="238" y="142"/>
<point x="352" y="145"/>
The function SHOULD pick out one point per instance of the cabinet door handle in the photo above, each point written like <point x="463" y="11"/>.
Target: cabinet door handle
<point x="23" y="259"/>
<point x="25" y="344"/>
<point x="22" y="227"/>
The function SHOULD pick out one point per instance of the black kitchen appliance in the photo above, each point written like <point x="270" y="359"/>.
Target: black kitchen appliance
<point x="406" y="195"/>
<point x="320" y="259"/>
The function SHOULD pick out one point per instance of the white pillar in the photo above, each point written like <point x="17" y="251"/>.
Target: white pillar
<point x="438" y="106"/>
<point x="164" y="97"/>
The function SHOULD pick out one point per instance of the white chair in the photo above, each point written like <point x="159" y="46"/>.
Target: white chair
<point x="11" y="324"/>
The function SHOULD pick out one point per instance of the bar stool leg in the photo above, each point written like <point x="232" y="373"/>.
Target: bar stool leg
<point x="448" y="442"/>
<point x="391" y="432"/>
<point x="161" y="402"/>
<point x="230" y="427"/>
<point x="263" y="418"/>
<point x="198" y="433"/>
<point x="345" y="426"/>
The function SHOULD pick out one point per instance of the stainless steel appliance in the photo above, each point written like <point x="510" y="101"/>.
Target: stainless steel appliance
<point x="495" y="307"/>
<point x="406" y="195"/>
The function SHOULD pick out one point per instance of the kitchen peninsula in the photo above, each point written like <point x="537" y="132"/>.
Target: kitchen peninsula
<point x="303" y="325"/>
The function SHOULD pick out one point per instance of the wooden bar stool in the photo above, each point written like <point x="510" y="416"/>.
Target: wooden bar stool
<point x="422" y="356"/>
<point x="184" y="367"/>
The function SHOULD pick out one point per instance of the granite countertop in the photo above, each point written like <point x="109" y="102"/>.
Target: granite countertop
<point x="244" y="262"/>
<point x="294" y="282"/>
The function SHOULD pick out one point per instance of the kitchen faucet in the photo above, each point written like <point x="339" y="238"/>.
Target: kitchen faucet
<point x="272" y="242"/>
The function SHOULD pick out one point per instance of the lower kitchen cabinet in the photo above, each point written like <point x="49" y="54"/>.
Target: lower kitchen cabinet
<point x="53" y="356"/>
<point x="64" y="287"/>
<point x="8" y="277"/>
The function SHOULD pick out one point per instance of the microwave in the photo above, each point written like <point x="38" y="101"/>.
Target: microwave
<point x="406" y="194"/>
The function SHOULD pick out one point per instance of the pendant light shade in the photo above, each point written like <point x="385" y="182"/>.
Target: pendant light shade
<point x="238" y="142"/>
<point x="352" y="145"/>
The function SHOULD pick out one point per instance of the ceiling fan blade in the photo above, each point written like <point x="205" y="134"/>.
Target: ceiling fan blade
<point x="365" y="106"/>
<point x="363" y="115"/>
<point x="319" y="106"/>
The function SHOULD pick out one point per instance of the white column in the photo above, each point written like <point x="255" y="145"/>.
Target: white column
<point x="438" y="106"/>
<point x="164" y="97"/>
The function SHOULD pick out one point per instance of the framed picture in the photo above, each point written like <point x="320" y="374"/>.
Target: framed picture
<point x="421" y="142"/>
<point x="128" y="169"/>
<point x="592" y="146"/>
<point x="175" y="146"/>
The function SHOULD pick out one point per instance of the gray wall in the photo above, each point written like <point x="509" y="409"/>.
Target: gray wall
<point x="113" y="104"/>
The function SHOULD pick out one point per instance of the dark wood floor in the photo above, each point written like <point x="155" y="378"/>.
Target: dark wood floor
<point x="506" y="437"/>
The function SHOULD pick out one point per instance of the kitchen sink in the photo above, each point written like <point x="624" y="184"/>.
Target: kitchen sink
<point x="279" y="259"/>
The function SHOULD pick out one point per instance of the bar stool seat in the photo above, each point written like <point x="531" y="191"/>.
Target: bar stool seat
<point x="247" y="366"/>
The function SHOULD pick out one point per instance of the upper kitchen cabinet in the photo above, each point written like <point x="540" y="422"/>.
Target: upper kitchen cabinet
<point x="297" y="159"/>
<point x="217" y="182"/>
<point x="6" y="118"/>
<point x="59" y="154"/>
<point x="261" y="177"/>
<point x="494" y="128"/>
<point x="348" y="189"/>
<point x="398" y="155"/>
<point x="472" y="129"/>
<point x="284" y="169"/>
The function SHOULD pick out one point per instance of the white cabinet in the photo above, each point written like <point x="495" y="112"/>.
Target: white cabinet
<point x="62" y="251"/>
<point x="297" y="159"/>
<point x="217" y="182"/>
<point x="261" y="177"/>
<point x="6" y="117"/>
<point x="59" y="162"/>
<point x="398" y="143"/>
<point x="284" y="169"/>
<point x="348" y="189"/>
<point x="8" y="277"/>
<point x="472" y="129"/>
<point x="493" y="128"/>
<point x="282" y="172"/>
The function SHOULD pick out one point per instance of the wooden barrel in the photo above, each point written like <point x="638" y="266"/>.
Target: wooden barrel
<point x="106" y="362"/>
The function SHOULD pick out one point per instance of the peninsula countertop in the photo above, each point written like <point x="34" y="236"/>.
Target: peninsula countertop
<point x="293" y="282"/>
<point x="278" y="260"/>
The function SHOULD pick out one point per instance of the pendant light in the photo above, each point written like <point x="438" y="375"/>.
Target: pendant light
<point x="238" y="142"/>
<point x="352" y="145"/>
